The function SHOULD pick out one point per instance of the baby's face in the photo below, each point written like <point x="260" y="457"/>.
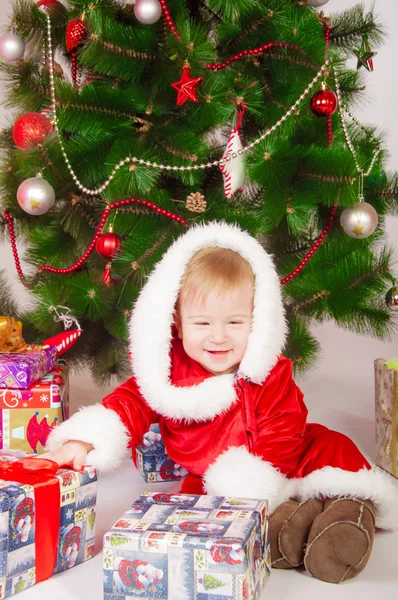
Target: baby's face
<point x="215" y="330"/>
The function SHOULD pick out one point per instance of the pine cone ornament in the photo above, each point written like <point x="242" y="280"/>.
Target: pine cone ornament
<point x="196" y="202"/>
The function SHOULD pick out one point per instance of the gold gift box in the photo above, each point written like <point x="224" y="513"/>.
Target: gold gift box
<point x="386" y="393"/>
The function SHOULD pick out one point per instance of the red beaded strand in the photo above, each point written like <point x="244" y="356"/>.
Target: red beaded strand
<point x="238" y="56"/>
<point x="91" y="246"/>
<point x="330" y="130"/>
<point x="100" y="227"/>
<point x="10" y="226"/>
<point x="164" y="213"/>
<point x="327" y="35"/>
<point x="329" y="118"/>
<point x="169" y="20"/>
<point x="74" y="66"/>
<point x="253" y="52"/>
<point x="314" y="248"/>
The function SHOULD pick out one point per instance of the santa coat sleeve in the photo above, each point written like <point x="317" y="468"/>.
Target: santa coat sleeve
<point x="112" y="427"/>
<point x="281" y="418"/>
<point x="276" y="418"/>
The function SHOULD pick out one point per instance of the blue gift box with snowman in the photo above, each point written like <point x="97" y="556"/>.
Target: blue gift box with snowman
<point x="153" y="462"/>
<point x="19" y="526"/>
<point x="188" y="547"/>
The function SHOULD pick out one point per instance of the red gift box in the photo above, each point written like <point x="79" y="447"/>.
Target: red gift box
<point x="28" y="416"/>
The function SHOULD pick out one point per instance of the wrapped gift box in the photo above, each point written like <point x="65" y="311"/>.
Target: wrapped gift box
<point x="386" y="390"/>
<point x="43" y="531"/>
<point x="28" y="416"/>
<point x="18" y="370"/>
<point x="188" y="547"/>
<point x="153" y="462"/>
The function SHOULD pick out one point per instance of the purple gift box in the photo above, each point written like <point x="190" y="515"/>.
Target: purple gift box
<point x="21" y="369"/>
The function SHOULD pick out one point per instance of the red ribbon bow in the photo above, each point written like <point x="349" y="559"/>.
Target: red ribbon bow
<point x="40" y="474"/>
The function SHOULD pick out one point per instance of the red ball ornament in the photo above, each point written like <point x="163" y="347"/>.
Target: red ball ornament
<point x="324" y="102"/>
<point x="30" y="130"/>
<point x="76" y="32"/>
<point x="108" y="244"/>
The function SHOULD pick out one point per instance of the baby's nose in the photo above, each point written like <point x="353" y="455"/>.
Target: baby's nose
<point x="218" y="334"/>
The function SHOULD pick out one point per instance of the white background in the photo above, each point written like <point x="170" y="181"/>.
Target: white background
<point x="339" y="393"/>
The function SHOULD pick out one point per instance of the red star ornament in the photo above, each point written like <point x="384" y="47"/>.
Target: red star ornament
<point x="186" y="87"/>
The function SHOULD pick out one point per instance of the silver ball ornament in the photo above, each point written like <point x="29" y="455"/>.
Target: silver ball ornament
<point x="359" y="221"/>
<point x="148" y="12"/>
<point x="317" y="3"/>
<point x="392" y="298"/>
<point x="35" y="196"/>
<point x="12" y="47"/>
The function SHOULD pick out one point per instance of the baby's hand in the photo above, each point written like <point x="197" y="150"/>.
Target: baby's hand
<point x="73" y="453"/>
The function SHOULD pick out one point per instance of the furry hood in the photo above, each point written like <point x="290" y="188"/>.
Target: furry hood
<point x="152" y="319"/>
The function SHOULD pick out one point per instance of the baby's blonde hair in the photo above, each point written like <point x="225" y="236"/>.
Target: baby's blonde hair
<point x="214" y="270"/>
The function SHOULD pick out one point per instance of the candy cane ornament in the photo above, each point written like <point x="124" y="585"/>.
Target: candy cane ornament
<point x="233" y="169"/>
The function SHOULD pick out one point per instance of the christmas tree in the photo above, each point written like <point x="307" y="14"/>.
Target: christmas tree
<point x="210" y="582"/>
<point x="118" y="540"/>
<point x="91" y="520"/>
<point x="137" y="121"/>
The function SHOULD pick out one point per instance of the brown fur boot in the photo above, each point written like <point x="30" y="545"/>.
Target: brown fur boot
<point x="341" y="539"/>
<point x="289" y="528"/>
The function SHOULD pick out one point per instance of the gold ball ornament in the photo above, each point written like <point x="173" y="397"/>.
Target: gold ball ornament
<point x="392" y="298"/>
<point x="359" y="221"/>
<point x="35" y="196"/>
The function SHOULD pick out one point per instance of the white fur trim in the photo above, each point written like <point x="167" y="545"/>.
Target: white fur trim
<point x="373" y="484"/>
<point x="150" y="327"/>
<point x="98" y="426"/>
<point x="238" y="473"/>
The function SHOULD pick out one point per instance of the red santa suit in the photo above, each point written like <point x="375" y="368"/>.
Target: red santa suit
<point x="243" y="434"/>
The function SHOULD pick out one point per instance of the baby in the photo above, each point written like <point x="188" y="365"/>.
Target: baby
<point x="207" y="334"/>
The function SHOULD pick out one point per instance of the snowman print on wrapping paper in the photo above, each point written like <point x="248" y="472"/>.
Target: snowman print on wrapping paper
<point x="171" y="498"/>
<point x="22" y="519"/>
<point x="70" y="545"/>
<point x="197" y="527"/>
<point x="89" y="472"/>
<point x="169" y="470"/>
<point x="138" y="576"/>
<point x="257" y="552"/>
<point x="225" y="550"/>
<point x="150" y="441"/>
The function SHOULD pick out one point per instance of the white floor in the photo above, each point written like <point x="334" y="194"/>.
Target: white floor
<point x="340" y="395"/>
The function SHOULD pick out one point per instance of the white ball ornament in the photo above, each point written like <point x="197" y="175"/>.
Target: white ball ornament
<point x="35" y="196"/>
<point x="12" y="47"/>
<point x="359" y="221"/>
<point x="148" y="12"/>
<point x="317" y="3"/>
